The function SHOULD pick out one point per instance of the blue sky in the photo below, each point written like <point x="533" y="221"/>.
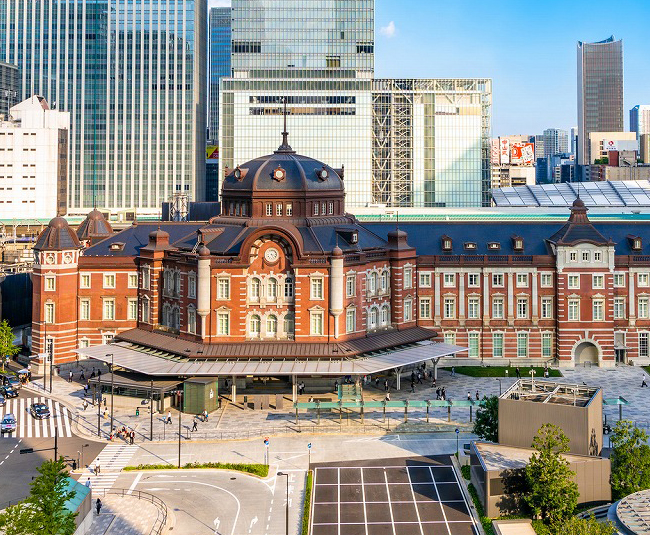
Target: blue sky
<point x="527" y="48"/>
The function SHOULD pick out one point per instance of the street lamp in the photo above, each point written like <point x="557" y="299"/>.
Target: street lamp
<point x="112" y="388"/>
<point x="82" y="455"/>
<point x="457" y="451"/>
<point x="286" y="514"/>
<point x="499" y="379"/>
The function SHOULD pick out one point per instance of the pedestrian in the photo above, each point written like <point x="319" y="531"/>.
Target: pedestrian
<point x="453" y="371"/>
<point x="517" y="372"/>
<point x="205" y="415"/>
<point x="88" y="483"/>
<point x="546" y="373"/>
<point x="194" y="426"/>
<point x="336" y="385"/>
<point x="132" y="436"/>
<point x="105" y="413"/>
<point x="387" y="396"/>
<point x="386" y="385"/>
<point x="105" y="403"/>
<point x="434" y="383"/>
<point x="477" y="396"/>
<point x="413" y="376"/>
<point x="98" y="505"/>
<point x="98" y="467"/>
<point x="84" y="404"/>
<point x="377" y="382"/>
<point x="437" y="393"/>
<point x="412" y="387"/>
<point x="225" y="384"/>
<point x="70" y="377"/>
<point x="469" y="396"/>
<point x="99" y="374"/>
<point x="419" y="378"/>
<point x="169" y="417"/>
<point x="643" y="383"/>
<point x="82" y="377"/>
<point x="92" y="375"/>
<point x="443" y="394"/>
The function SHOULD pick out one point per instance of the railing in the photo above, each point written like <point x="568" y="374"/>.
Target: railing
<point x="161" y="518"/>
<point x="597" y="512"/>
<point x="318" y="260"/>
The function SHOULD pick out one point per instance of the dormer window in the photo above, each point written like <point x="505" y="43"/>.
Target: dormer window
<point x="636" y="243"/>
<point x="470" y="245"/>
<point x="446" y="243"/>
<point x="517" y="243"/>
<point x="117" y="246"/>
<point x="494" y="246"/>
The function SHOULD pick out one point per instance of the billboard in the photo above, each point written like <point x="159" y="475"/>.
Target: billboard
<point x="619" y="145"/>
<point x="523" y="154"/>
<point x="211" y="152"/>
<point x="504" y="149"/>
<point x="495" y="152"/>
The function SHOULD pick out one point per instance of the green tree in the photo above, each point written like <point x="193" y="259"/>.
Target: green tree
<point x="43" y="512"/>
<point x="630" y="460"/>
<point x="552" y="493"/>
<point x="589" y="526"/>
<point x="7" y="347"/>
<point x="486" y="424"/>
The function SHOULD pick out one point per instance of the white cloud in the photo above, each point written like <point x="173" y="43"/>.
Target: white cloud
<point x="218" y="3"/>
<point x="388" y="31"/>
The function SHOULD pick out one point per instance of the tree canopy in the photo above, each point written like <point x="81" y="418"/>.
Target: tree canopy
<point x="43" y="512"/>
<point x="552" y="493"/>
<point x="7" y="347"/>
<point x="486" y="424"/>
<point x="630" y="460"/>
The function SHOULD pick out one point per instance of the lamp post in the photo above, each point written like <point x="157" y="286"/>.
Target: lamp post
<point x="286" y="509"/>
<point x="532" y="378"/>
<point x="112" y="387"/>
<point x="499" y="379"/>
<point x="99" y="405"/>
<point x="179" y="436"/>
<point x="82" y="455"/>
<point x="151" y="414"/>
<point x="457" y="451"/>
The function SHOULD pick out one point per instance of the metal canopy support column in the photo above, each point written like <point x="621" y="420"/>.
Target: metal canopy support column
<point x="294" y="388"/>
<point x="234" y="389"/>
<point x="435" y="368"/>
<point x="399" y="378"/>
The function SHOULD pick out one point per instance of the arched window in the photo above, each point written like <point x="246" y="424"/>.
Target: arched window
<point x="383" y="285"/>
<point x="166" y="320"/>
<point x="255" y="289"/>
<point x="272" y="289"/>
<point x="176" y="318"/>
<point x="254" y="328"/>
<point x="177" y="283"/>
<point x="372" y="318"/>
<point x="289" y="323"/>
<point x="288" y="287"/>
<point x="372" y="283"/>
<point x="385" y="315"/>
<point x="271" y="325"/>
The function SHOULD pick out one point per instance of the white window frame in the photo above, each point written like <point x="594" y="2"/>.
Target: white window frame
<point x="191" y="320"/>
<point x="350" y="285"/>
<point x="408" y="277"/>
<point x="146" y="277"/>
<point x="255" y="289"/>
<point x="585" y="256"/>
<point x="272" y="326"/>
<point x="546" y="309"/>
<point x="498" y="305"/>
<point x="619" y="308"/>
<point x="108" y="309"/>
<point x="473" y="343"/>
<point x="146" y="310"/>
<point x="449" y="280"/>
<point x="449" y="337"/>
<point x="132" y="280"/>
<point x="522" y="280"/>
<point x="547" y="345"/>
<point x="546" y="280"/>
<point x="497" y="336"/>
<point x="271" y="289"/>
<point x="425" y="279"/>
<point x="223" y="323"/>
<point x="269" y="209"/>
<point x="289" y="287"/>
<point x="408" y="309"/>
<point x="522" y="350"/>
<point x="132" y="309"/>
<point x="642" y="307"/>
<point x="424" y="308"/>
<point x="107" y="278"/>
<point x="522" y="308"/>
<point x="598" y="256"/>
<point x="255" y="326"/>
<point x="619" y="279"/>
<point x="644" y="344"/>
<point x="384" y="282"/>
<point x="191" y="286"/>
<point x="573" y="310"/>
<point x="85" y="281"/>
<point x="316" y="323"/>
<point x="598" y="310"/>
<point x="289" y="209"/>
<point x="573" y="256"/>
<point x="50" y="283"/>
<point x="473" y="308"/>
<point x="573" y="282"/>
<point x="223" y="288"/>
<point x="316" y="288"/>
<point x="473" y="280"/>
<point x="278" y="209"/>
<point x="643" y="280"/>
<point x="498" y="280"/>
<point x="598" y="281"/>
<point x="84" y="309"/>
<point x="373" y="318"/>
<point x="449" y="308"/>
<point x="350" y="320"/>
<point x="384" y="316"/>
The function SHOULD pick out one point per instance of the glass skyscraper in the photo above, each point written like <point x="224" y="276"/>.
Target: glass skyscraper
<point x="556" y="141"/>
<point x="403" y="143"/>
<point x="132" y="74"/>
<point x="600" y="91"/>
<point x="219" y="38"/>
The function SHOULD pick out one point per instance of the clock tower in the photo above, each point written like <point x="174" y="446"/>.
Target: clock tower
<point x="55" y="281"/>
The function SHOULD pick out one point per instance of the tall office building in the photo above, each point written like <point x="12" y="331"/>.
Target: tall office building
<point x="9" y="76"/>
<point x="219" y="45"/>
<point x="600" y="91"/>
<point x="132" y="76"/>
<point x="556" y="141"/>
<point x="402" y="142"/>
<point x="640" y="120"/>
<point x="574" y="140"/>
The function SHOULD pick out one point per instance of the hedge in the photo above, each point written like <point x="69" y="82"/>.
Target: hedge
<point x="261" y="470"/>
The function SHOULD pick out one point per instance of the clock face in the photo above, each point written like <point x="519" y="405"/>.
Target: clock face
<point x="271" y="255"/>
<point x="278" y="174"/>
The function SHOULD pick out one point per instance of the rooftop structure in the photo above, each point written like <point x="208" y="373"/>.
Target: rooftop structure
<point x="551" y="392"/>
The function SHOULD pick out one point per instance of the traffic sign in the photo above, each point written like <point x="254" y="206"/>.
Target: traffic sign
<point x="309" y="445"/>
<point x="457" y="430"/>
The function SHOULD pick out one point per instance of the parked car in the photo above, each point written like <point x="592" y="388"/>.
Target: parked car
<point x="39" y="411"/>
<point x="8" y="392"/>
<point x="10" y="380"/>
<point x="2" y="400"/>
<point x="8" y="424"/>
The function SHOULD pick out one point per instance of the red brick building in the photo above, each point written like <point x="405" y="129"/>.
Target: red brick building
<point x="284" y="274"/>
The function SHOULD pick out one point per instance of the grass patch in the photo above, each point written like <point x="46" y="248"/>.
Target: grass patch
<point x="466" y="471"/>
<point x="261" y="470"/>
<point x="306" y="511"/>
<point x="500" y="371"/>
<point x="485" y="521"/>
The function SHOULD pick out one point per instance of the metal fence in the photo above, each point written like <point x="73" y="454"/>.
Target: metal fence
<point x="161" y="519"/>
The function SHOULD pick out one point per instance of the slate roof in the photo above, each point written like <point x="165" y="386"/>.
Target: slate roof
<point x="578" y="228"/>
<point x="94" y="227"/>
<point x="57" y="236"/>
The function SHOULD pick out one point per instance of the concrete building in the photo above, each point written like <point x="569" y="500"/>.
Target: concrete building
<point x="556" y="141"/>
<point x="9" y="76"/>
<point x="644" y="148"/>
<point x="600" y="92"/>
<point x="33" y="161"/>
<point x="402" y="142"/>
<point x="601" y="143"/>
<point x="133" y="79"/>
<point x="511" y="176"/>
<point x="640" y="120"/>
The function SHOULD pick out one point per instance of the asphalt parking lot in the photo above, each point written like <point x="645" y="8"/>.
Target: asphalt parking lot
<point x="404" y="496"/>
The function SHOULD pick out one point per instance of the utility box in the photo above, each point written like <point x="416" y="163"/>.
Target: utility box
<point x="200" y="394"/>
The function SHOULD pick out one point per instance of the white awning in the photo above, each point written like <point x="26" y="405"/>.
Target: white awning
<point x="134" y="358"/>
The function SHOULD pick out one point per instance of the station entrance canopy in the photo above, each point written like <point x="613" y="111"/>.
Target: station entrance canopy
<point x="159" y="363"/>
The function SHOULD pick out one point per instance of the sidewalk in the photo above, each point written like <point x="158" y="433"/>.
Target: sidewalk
<point x="123" y="515"/>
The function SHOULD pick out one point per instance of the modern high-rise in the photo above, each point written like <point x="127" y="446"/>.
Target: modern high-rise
<point x="132" y="76"/>
<point x="574" y="140"/>
<point x="8" y="87"/>
<point x="640" y="120"/>
<point x="600" y="91"/>
<point x="556" y="141"/>
<point x="402" y="143"/>
<point x="219" y="45"/>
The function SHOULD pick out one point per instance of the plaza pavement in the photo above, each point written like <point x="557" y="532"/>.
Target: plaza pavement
<point x="233" y="421"/>
<point x="123" y="515"/>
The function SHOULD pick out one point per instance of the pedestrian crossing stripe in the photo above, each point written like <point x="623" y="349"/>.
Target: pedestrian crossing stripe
<point x="29" y="427"/>
<point x="112" y="459"/>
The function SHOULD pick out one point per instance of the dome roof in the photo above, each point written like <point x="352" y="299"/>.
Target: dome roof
<point x="94" y="227"/>
<point x="57" y="236"/>
<point x="157" y="234"/>
<point x="282" y="171"/>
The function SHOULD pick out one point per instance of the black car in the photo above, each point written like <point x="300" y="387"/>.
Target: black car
<point x="39" y="410"/>
<point x="8" y="392"/>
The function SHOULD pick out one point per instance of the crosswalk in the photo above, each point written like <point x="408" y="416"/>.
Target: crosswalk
<point x="112" y="459"/>
<point x="29" y="427"/>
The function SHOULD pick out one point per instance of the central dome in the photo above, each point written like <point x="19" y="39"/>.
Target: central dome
<point x="282" y="171"/>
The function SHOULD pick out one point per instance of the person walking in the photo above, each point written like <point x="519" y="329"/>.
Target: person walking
<point x="386" y="387"/>
<point x="84" y="404"/>
<point x="643" y="382"/>
<point x="477" y="396"/>
<point x="88" y="483"/>
<point x="205" y="415"/>
<point x="98" y="467"/>
<point x="419" y="378"/>
<point x="443" y="394"/>
<point x="387" y="396"/>
<point x="86" y="389"/>
<point x="412" y="387"/>
<point x="194" y="426"/>
<point x="82" y="377"/>
<point x="70" y="377"/>
<point x="437" y="393"/>
<point x="132" y="436"/>
<point x="469" y="396"/>
<point x="169" y="417"/>
<point x="336" y="385"/>
<point x="453" y="371"/>
<point x="517" y="372"/>
<point x="98" y="505"/>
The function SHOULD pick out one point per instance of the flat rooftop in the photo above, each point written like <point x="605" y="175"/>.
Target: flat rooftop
<point x="500" y="457"/>
<point x="544" y="391"/>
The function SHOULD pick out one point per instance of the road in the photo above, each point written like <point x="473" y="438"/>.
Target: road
<point x="16" y="470"/>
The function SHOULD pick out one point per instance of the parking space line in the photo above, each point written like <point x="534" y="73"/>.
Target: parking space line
<point x="435" y="486"/>
<point x="471" y="516"/>
<point x="338" y="499"/>
<point x="390" y="507"/>
<point x="52" y="416"/>
<point x="363" y="496"/>
<point x="417" y="512"/>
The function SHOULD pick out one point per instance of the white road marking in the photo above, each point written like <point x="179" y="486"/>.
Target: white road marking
<point x="417" y="512"/>
<point x="135" y="482"/>
<point x="390" y="505"/>
<point x="53" y="415"/>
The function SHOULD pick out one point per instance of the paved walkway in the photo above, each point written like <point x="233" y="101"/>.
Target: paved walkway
<point x="234" y="421"/>
<point x="123" y="515"/>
